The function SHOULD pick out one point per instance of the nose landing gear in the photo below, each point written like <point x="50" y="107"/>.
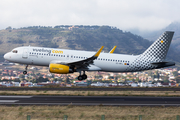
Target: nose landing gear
<point x="25" y="72"/>
<point x="82" y="77"/>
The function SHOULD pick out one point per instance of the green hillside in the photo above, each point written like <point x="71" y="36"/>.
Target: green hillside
<point x="89" y="38"/>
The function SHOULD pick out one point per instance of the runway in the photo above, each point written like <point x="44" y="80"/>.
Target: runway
<point x="90" y="100"/>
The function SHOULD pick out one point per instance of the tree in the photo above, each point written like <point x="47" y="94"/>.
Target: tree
<point x="67" y="80"/>
<point x="41" y="79"/>
<point x="9" y="28"/>
<point x="166" y="79"/>
<point x="21" y="76"/>
<point x="175" y="73"/>
<point x="17" y="80"/>
<point x="177" y="78"/>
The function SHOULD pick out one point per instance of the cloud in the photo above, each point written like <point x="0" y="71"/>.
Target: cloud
<point x="124" y="14"/>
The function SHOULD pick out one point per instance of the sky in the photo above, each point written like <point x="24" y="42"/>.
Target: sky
<point x="124" y="14"/>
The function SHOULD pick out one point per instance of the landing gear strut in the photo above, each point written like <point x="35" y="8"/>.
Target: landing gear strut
<point x="25" y="72"/>
<point x="82" y="77"/>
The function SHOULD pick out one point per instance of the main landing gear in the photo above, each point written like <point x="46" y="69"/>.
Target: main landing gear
<point x="25" y="72"/>
<point x="82" y="77"/>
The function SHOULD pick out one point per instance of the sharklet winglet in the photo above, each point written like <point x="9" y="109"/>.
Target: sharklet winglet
<point x="98" y="52"/>
<point x="112" y="51"/>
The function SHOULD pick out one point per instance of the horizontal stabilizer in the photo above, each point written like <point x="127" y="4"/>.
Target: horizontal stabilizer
<point x="157" y="63"/>
<point x="163" y="64"/>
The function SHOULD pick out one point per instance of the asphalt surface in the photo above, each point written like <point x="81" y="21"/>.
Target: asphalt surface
<point x="91" y="89"/>
<point x="90" y="100"/>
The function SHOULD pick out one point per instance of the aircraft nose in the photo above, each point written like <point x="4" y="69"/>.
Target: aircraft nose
<point x="6" y="56"/>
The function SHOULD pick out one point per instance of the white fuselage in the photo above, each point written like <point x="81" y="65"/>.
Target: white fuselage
<point x="44" y="56"/>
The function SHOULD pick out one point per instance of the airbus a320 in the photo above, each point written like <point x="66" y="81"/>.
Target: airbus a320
<point x="62" y="61"/>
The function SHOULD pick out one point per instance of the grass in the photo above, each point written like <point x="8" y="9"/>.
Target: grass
<point x="93" y="93"/>
<point x="87" y="112"/>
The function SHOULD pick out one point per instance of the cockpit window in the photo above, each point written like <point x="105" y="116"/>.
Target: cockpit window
<point x="15" y="51"/>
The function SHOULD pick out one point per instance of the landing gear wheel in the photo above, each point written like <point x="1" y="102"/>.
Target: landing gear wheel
<point x="80" y="77"/>
<point x="24" y="72"/>
<point x="84" y="76"/>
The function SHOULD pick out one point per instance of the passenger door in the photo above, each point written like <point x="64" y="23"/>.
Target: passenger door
<point x="25" y="53"/>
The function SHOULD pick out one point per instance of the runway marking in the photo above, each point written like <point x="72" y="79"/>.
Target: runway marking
<point x="15" y="96"/>
<point x="8" y="101"/>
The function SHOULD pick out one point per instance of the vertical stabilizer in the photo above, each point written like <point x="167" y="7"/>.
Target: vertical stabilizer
<point x="156" y="53"/>
<point x="158" y="50"/>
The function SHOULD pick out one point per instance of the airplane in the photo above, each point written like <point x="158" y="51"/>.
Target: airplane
<point x="63" y="61"/>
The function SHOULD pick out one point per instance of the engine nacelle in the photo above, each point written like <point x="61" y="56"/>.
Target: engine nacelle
<point x="59" y="68"/>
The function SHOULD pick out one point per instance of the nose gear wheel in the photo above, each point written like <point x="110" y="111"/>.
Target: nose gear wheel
<point x="25" y="72"/>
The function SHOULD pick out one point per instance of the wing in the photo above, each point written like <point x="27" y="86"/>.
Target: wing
<point x="83" y="64"/>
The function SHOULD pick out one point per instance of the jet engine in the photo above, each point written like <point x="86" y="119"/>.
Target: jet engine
<point x="59" y="68"/>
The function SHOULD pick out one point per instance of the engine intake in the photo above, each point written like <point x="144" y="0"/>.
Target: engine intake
<point x="59" y="68"/>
